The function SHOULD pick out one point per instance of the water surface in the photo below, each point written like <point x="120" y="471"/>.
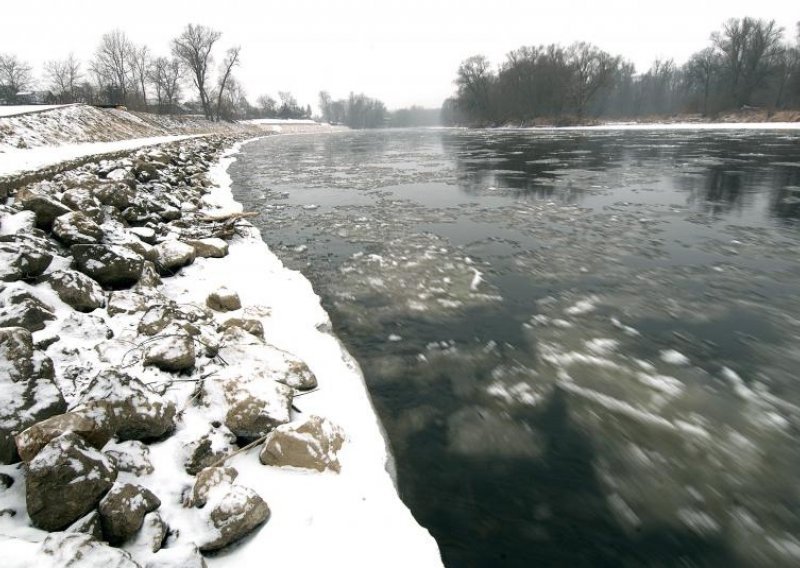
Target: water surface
<point x="583" y="345"/>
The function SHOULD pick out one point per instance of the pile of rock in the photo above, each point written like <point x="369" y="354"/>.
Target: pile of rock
<point x="90" y="350"/>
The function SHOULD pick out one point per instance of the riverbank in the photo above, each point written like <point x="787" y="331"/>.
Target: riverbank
<point x="149" y="333"/>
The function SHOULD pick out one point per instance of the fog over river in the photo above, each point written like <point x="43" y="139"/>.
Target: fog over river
<point x="583" y="345"/>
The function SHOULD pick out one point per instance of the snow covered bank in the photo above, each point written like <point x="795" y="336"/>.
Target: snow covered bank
<point x="181" y="372"/>
<point x="15" y="110"/>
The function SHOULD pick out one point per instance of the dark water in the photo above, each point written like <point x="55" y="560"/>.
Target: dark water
<point x="583" y="345"/>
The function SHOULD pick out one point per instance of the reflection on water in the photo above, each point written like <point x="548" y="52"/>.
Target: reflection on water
<point x="582" y="344"/>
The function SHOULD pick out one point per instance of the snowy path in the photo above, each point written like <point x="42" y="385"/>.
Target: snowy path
<point x="14" y="162"/>
<point x="16" y="110"/>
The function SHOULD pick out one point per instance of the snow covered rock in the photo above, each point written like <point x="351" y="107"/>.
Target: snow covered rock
<point x="251" y="326"/>
<point x="255" y="405"/>
<point x="171" y="256"/>
<point x="140" y="413"/>
<point x="209" y="248"/>
<point x="76" y="228"/>
<point x="233" y="511"/>
<point x="149" y="278"/>
<point x="65" y="481"/>
<point x="131" y="457"/>
<point x="223" y="300"/>
<point x="145" y="234"/>
<point x="94" y="423"/>
<point x="209" y="478"/>
<point x="312" y="444"/>
<point x="27" y="390"/>
<point x="118" y="195"/>
<point x="88" y="524"/>
<point x="45" y="208"/>
<point x="75" y="550"/>
<point x="211" y="447"/>
<point x="79" y="199"/>
<point x="172" y="353"/>
<point x="144" y="171"/>
<point x="136" y="300"/>
<point x="76" y="290"/>
<point x="115" y="266"/>
<point x="17" y="223"/>
<point x="19" y="307"/>
<point x="122" y="511"/>
<point x="20" y="261"/>
<point x="150" y="537"/>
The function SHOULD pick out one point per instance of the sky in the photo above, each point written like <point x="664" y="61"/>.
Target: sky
<point x="403" y="52"/>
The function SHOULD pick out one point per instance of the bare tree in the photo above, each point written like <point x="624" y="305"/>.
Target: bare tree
<point x="63" y="77"/>
<point x="592" y="69"/>
<point x="231" y="60"/>
<point x="700" y="70"/>
<point x="474" y="81"/>
<point x="140" y="65"/>
<point x="267" y="106"/>
<point x="15" y="76"/>
<point x="111" y="66"/>
<point x="165" y="75"/>
<point x="193" y="48"/>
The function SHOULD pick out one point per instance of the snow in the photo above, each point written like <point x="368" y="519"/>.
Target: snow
<point x="279" y="121"/>
<point x="17" y="161"/>
<point x="14" y="110"/>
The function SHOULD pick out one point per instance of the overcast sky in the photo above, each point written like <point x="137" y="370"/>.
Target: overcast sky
<point x="403" y="52"/>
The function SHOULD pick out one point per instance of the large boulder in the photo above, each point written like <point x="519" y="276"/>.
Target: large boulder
<point x="207" y="479"/>
<point x="88" y="524"/>
<point x="118" y="195"/>
<point x="312" y="444"/>
<point x="172" y="255"/>
<point x="79" y="199"/>
<point x="28" y="392"/>
<point x="140" y="413"/>
<point x="209" y="248"/>
<point x="255" y="406"/>
<point x="116" y="266"/>
<point x="223" y="300"/>
<point x="76" y="550"/>
<point x="172" y="353"/>
<point x="251" y="326"/>
<point x="93" y="422"/>
<point x="19" y="261"/>
<point x="45" y="208"/>
<point x="65" y="481"/>
<point x="131" y="457"/>
<point x="233" y="511"/>
<point x="76" y="290"/>
<point x="19" y="307"/>
<point x="207" y="450"/>
<point x="150" y="537"/>
<point x="76" y="228"/>
<point x="122" y="511"/>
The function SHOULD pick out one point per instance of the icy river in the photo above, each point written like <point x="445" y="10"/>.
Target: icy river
<point x="584" y="345"/>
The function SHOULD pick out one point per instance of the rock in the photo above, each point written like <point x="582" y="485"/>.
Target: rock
<point x="20" y="308"/>
<point x="209" y="248"/>
<point x="118" y="195"/>
<point x="6" y="481"/>
<point x="76" y="228"/>
<point x="146" y="234"/>
<point x="151" y="536"/>
<point x="149" y="277"/>
<point x="144" y="171"/>
<point x="122" y="511"/>
<point x="134" y="301"/>
<point x="20" y="223"/>
<point x="171" y="256"/>
<point x="313" y="444"/>
<point x="20" y="261"/>
<point x="131" y="457"/>
<point x="115" y="266"/>
<point x="158" y="317"/>
<point x="76" y="290"/>
<point x="209" y="478"/>
<point x="171" y="353"/>
<point x="298" y="376"/>
<point x="45" y="208"/>
<point x="233" y="512"/>
<point x="65" y="481"/>
<point x="74" y="550"/>
<point x="169" y="213"/>
<point x="224" y="300"/>
<point x="94" y="423"/>
<point x="252" y="326"/>
<point x="28" y="392"/>
<point x="79" y="199"/>
<point x="217" y="443"/>
<point x="90" y="524"/>
<point x="256" y="406"/>
<point x="140" y="413"/>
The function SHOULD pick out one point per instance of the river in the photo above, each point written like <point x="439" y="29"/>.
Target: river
<point x="583" y="345"/>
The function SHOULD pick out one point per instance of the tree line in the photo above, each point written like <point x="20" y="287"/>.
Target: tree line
<point x="749" y="63"/>
<point x="124" y="73"/>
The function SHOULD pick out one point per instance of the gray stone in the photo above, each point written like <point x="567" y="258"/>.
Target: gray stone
<point x="122" y="511"/>
<point x="312" y="444"/>
<point x="117" y="195"/>
<point x="20" y="308"/>
<point x="171" y="256"/>
<point x="65" y="481"/>
<point x="252" y="326"/>
<point x="234" y="511"/>
<point x="79" y="199"/>
<point x="223" y="300"/>
<point x="76" y="290"/>
<point x="115" y="266"/>
<point x="209" y="478"/>
<point x="20" y="261"/>
<point x="209" y="248"/>
<point x="45" y="208"/>
<point x="257" y="407"/>
<point x="76" y="228"/>
<point x="75" y="550"/>
<point x="89" y="524"/>
<point x="171" y="353"/>
<point x="132" y="457"/>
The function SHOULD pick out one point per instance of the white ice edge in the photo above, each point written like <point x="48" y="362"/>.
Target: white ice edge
<point x="17" y="161"/>
<point x="355" y="518"/>
<point x="670" y="126"/>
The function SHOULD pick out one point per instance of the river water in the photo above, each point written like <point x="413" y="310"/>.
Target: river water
<point x="583" y="344"/>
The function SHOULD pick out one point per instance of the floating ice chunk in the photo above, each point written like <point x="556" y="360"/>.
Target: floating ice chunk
<point x="698" y="521"/>
<point x="582" y="307"/>
<point x="476" y="280"/>
<point x="311" y="206"/>
<point x="674" y="357"/>
<point x="627" y="329"/>
<point x="394" y="337"/>
<point x="602" y="345"/>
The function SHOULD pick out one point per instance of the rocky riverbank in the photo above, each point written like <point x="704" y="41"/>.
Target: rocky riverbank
<point x="153" y="353"/>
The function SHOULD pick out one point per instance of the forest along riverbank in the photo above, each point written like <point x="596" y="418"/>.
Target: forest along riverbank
<point x="582" y="344"/>
<point x="147" y="334"/>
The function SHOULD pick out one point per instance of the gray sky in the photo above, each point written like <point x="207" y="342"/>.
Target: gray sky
<point x="403" y="52"/>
